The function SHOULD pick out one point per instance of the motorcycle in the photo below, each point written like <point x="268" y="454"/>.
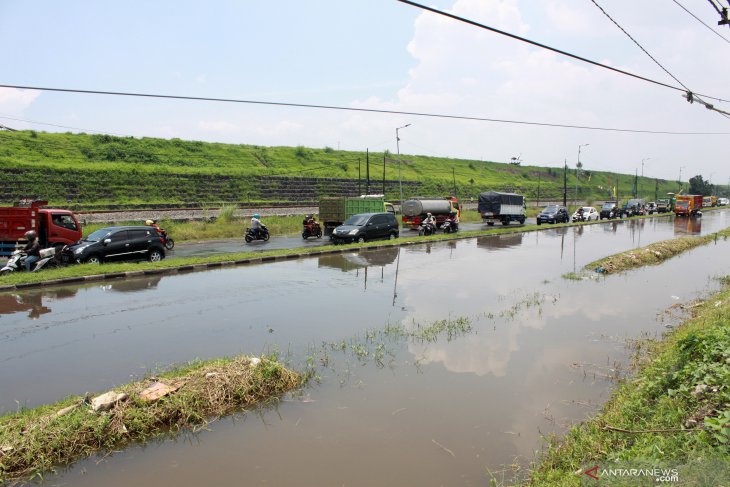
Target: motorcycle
<point x="167" y="241"/>
<point x="251" y="235"/>
<point x="426" y="229"/>
<point x="450" y="226"/>
<point x="580" y="217"/>
<point x="311" y="229"/>
<point x="16" y="262"/>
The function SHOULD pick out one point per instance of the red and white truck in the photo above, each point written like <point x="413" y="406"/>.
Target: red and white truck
<point x="415" y="210"/>
<point x="55" y="227"/>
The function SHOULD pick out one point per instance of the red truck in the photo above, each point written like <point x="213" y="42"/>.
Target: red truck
<point x="688" y="204"/>
<point x="55" y="227"/>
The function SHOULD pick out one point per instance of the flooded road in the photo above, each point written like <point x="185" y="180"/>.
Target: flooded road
<point x="389" y="408"/>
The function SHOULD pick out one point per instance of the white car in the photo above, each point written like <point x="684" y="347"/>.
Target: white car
<point x="589" y="213"/>
<point x="723" y="201"/>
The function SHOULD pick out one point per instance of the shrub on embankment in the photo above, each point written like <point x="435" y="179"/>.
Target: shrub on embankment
<point x="674" y="413"/>
<point x="33" y="441"/>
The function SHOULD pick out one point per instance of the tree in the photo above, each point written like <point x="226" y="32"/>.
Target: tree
<point x="697" y="185"/>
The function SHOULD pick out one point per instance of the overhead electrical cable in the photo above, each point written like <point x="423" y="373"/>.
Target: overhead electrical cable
<point x="701" y="22"/>
<point x="359" y="110"/>
<point x="690" y="95"/>
<point x="553" y="49"/>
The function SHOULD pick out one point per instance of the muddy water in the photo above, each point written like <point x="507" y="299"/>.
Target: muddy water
<point x="409" y="412"/>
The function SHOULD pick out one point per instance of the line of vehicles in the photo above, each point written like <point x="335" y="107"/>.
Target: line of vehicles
<point x="342" y="219"/>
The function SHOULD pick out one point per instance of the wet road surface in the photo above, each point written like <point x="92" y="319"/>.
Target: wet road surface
<point x="387" y="410"/>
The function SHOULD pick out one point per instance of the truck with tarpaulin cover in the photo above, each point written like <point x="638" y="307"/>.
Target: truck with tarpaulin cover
<point x="333" y="211"/>
<point x="501" y="207"/>
<point x="416" y="209"/>
<point x="55" y="227"/>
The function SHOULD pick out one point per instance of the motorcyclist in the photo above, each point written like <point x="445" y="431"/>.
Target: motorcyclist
<point x="579" y="214"/>
<point x="153" y="224"/>
<point x="309" y="220"/>
<point x="429" y="221"/>
<point x="453" y="219"/>
<point x="256" y="225"/>
<point x="32" y="249"/>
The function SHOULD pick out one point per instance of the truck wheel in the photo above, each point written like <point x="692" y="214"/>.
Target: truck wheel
<point x="505" y="222"/>
<point x="522" y="221"/>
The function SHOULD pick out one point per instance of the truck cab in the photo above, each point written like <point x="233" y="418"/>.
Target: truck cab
<point x="55" y="227"/>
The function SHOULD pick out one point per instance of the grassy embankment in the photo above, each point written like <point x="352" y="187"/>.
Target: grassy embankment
<point x="34" y="441"/>
<point x="651" y="254"/>
<point x="675" y="412"/>
<point x="98" y="170"/>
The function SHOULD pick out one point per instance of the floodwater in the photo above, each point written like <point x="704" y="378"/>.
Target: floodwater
<point x="386" y="410"/>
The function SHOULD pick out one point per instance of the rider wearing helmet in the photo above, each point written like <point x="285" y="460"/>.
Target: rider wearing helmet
<point x="429" y="220"/>
<point x="32" y="249"/>
<point x="153" y="224"/>
<point x="256" y="224"/>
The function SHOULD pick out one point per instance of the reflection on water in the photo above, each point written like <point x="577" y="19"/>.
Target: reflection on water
<point x="33" y="301"/>
<point x="688" y="225"/>
<point x="540" y="349"/>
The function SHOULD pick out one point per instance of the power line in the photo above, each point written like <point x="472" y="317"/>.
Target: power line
<point x="553" y="49"/>
<point x="359" y="110"/>
<point x="639" y="45"/>
<point x="701" y="22"/>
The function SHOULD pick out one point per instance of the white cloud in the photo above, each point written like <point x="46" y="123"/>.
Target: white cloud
<point x="15" y="101"/>
<point x="218" y="126"/>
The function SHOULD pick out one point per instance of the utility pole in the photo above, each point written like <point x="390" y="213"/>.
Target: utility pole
<point x="565" y="183"/>
<point x="538" y="189"/>
<point x="679" y="181"/>
<point x="636" y="182"/>
<point x="383" y="173"/>
<point x="453" y="177"/>
<point x="367" y="171"/>
<point x="577" y="168"/>
<point x="359" y="179"/>
<point x="400" y="181"/>
<point x="656" y="189"/>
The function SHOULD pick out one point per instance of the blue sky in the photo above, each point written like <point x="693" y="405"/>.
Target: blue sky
<point x="384" y="55"/>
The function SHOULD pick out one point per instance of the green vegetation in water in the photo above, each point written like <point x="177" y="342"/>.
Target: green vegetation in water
<point x="652" y="254"/>
<point x="33" y="441"/>
<point x="675" y="412"/>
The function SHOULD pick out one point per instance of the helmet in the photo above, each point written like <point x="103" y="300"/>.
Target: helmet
<point x="149" y="222"/>
<point x="30" y="235"/>
<point x="256" y="215"/>
<point x="428" y="214"/>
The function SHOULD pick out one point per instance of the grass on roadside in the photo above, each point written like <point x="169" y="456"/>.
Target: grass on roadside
<point x="675" y="411"/>
<point x="33" y="441"/>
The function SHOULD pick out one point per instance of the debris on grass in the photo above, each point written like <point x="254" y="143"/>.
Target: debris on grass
<point x="33" y="441"/>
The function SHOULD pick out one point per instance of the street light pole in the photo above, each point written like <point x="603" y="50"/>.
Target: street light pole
<point x="577" y="166"/>
<point x="400" y="181"/>
<point x="642" y="167"/>
<point x="680" y="178"/>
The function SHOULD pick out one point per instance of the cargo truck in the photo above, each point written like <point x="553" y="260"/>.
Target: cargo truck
<point x="688" y="205"/>
<point x="55" y="227"/>
<point x="663" y="206"/>
<point x="416" y="209"/>
<point x="501" y="207"/>
<point x="334" y="211"/>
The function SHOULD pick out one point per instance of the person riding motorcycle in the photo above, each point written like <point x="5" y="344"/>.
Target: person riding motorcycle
<point x="153" y="224"/>
<point x="309" y="220"/>
<point x="256" y="225"/>
<point x="32" y="249"/>
<point x="579" y="214"/>
<point x="429" y="221"/>
<point x="452" y="220"/>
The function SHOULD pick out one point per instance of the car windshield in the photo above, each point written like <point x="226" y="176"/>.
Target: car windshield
<point x="587" y="209"/>
<point x="682" y="204"/>
<point x="357" y="220"/>
<point x="98" y="235"/>
<point x="550" y="209"/>
<point x="608" y="206"/>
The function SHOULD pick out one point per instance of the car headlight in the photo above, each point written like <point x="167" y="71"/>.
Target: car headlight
<point x="78" y="251"/>
<point x="353" y="232"/>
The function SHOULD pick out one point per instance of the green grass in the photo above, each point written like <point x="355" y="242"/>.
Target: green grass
<point x="651" y="254"/>
<point x="674" y="411"/>
<point x="36" y="440"/>
<point x="221" y="228"/>
<point x="97" y="170"/>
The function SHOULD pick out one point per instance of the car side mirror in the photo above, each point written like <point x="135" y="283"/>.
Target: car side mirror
<point x="107" y="241"/>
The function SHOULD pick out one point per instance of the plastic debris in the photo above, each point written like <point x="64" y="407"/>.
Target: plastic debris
<point x="158" y="390"/>
<point x="107" y="401"/>
<point x="601" y="270"/>
<point x="255" y="361"/>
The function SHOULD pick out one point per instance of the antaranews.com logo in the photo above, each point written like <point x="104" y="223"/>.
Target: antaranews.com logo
<point x="628" y="475"/>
